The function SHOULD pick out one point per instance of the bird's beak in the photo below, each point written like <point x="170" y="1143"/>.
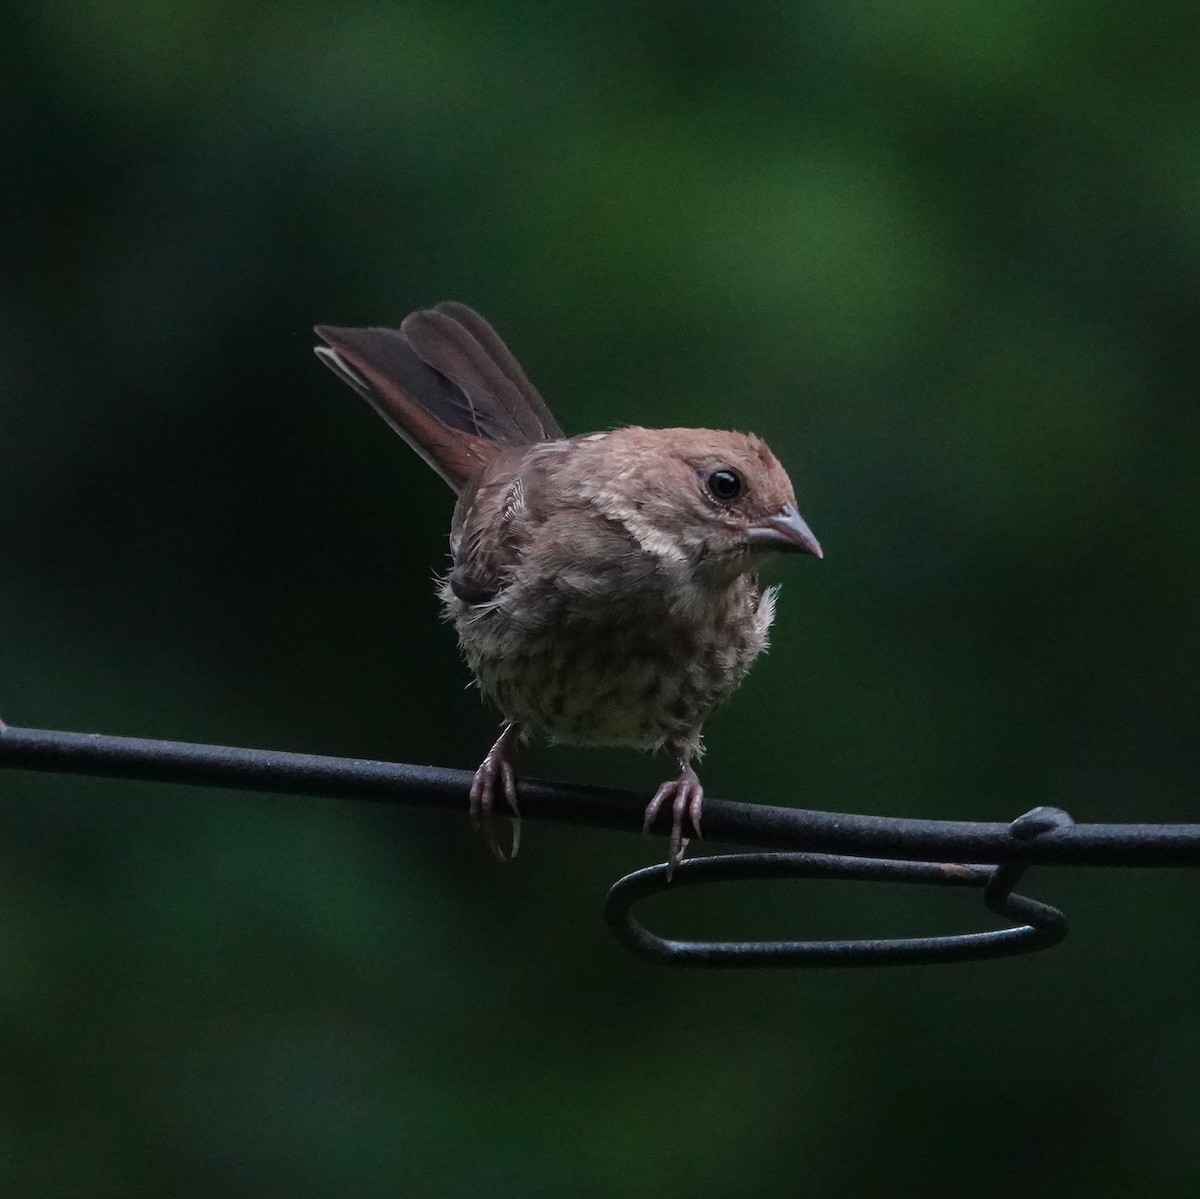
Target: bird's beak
<point x="785" y="530"/>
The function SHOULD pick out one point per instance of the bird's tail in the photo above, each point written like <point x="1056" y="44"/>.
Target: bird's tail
<point x="446" y="383"/>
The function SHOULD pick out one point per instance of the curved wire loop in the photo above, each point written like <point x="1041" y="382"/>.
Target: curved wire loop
<point x="1032" y="925"/>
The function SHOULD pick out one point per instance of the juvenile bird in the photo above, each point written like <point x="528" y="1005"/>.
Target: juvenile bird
<point x="603" y="587"/>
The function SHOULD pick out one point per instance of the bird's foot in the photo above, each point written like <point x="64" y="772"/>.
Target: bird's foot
<point x="687" y="799"/>
<point x="499" y="765"/>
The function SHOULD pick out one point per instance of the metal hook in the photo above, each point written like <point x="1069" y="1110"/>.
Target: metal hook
<point x="1035" y="925"/>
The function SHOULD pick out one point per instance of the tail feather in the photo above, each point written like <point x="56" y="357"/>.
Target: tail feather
<point x="503" y="360"/>
<point x="446" y="383"/>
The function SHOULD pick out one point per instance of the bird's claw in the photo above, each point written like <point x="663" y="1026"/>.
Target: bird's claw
<point x="498" y="765"/>
<point x="687" y="799"/>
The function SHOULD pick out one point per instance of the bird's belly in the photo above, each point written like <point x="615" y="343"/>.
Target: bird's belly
<point x="575" y="698"/>
<point x="620" y="683"/>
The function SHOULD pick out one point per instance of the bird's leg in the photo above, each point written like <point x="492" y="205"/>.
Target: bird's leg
<point x="500" y="763"/>
<point x="687" y="799"/>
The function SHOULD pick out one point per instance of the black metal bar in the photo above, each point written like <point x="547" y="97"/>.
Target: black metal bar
<point x="1038" y="838"/>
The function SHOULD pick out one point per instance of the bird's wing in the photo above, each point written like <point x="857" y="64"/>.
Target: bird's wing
<point x="517" y="523"/>
<point x="446" y="383"/>
<point x="496" y="515"/>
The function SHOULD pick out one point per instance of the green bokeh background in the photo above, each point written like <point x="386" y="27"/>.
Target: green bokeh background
<point x="944" y="256"/>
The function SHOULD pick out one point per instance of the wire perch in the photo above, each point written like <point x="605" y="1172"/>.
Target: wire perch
<point x="990" y="856"/>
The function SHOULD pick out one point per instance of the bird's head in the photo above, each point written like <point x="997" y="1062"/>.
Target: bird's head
<point x="716" y="500"/>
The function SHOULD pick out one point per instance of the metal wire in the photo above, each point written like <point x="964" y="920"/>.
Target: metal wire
<point x="1034" y="925"/>
<point x="912" y="851"/>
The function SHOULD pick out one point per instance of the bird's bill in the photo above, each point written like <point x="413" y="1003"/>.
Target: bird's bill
<point x="785" y="530"/>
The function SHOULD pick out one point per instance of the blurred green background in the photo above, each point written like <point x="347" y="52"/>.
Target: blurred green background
<point x="944" y="256"/>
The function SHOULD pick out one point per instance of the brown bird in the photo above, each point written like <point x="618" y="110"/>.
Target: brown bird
<point x="604" y="587"/>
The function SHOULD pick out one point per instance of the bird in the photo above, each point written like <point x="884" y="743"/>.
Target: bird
<point x="604" y="587"/>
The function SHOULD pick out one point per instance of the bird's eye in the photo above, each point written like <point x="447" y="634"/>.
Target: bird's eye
<point x="724" y="484"/>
